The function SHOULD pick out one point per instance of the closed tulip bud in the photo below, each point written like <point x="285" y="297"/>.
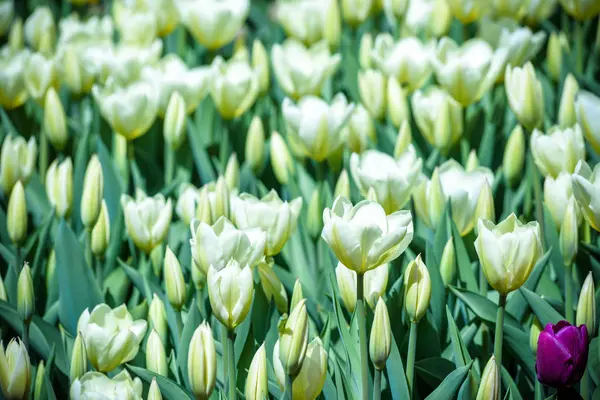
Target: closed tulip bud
<point x="314" y="223"/>
<point x="40" y="75"/>
<point x="417" y="289"/>
<point x="472" y="161"/>
<point x="260" y="62"/>
<point x="587" y="106"/>
<point x="174" y="122"/>
<point x="297" y="294"/>
<point x="79" y="78"/>
<point x="17" y="162"/>
<point x="203" y="208"/>
<point x="309" y="382"/>
<point x="342" y="186"/>
<point x="232" y="172"/>
<point x="372" y="88"/>
<point x="147" y="219"/>
<point x="255" y="144"/>
<point x="230" y="291"/>
<point x="429" y="199"/>
<point x="25" y="294"/>
<point x="39" y="381"/>
<point x="16" y="218"/>
<point x="534" y="334"/>
<point x="557" y="44"/>
<point x="154" y="391"/>
<point x="380" y="342"/>
<point x="15" y="370"/>
<point x="569" y="237"/>
<point x="3" y="295"/>
<point x="234" y="86"/>
<point x="272" y="286"/>
<point x="397" y="104"/>
<point x="523" y="89"/>
<point x="355" y="12"/>
<point x="485" y="205"/>
<point x="567" y="116"/>
<point x="360" y="130"/>
<point x="586" y="306"/>
<point x="448" y="263"/>
<point x="202" y="362"/>
<point x="581" y="9"/>
<point x="514" y="157"/>
<point x="403" y="140"/>
<point x="332" y="32"/>
<point x="365" y="50"/>
<point x="293" y="339"/>
<point x="93" y="190"/>
<point x="79" y="362"/>
<point x="59" y="186"/>
<point x="40" y="26"/>
<point x="489" y="388"/>
<point x="281" y="160"/>
<point x="174" y="281"/>
<point x="101" y="233"/>
<point x="157" y="318"/>
<point x="55" y="120"/>
<point x="257" y="382"/>
<point x="50" y="269"/>
<point x="374" y="284"/>
<point x="220" y="206"/>
<point x="156" y="357"/>
<point x="16" y="39"/>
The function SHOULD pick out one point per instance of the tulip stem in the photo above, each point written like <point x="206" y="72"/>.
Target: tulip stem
<point x="179" y="322"/>
<point x="362" y="335"/>
<point x="410" y="358"/>
<point x="539" y="391"/>
<point x="224" y="339"/>
<point x="231" y="362"/>
<point x="18" y="262"/>
<point x="499" y="329"/>
<point x="43" y="162"/>
<point x="99" y="269"/>
<point x="169" y="164"/>
<point x="377" y="385"/>
<point x="569" y="312"/>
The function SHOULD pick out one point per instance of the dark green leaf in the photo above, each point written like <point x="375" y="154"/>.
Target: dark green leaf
<point x="450" y="386"/>
<point x="169" y="389"/>
<point x="544" y="311"/>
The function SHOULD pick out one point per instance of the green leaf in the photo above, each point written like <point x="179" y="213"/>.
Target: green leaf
<point x="434" y="370"/>
<point x="438" y="291"/>
<point x="544" y="311"/>
<point x="450" y="386"/>
<point x="461" y="353"/>
<point x="169" y="389"/>
<point x="78" y="288"/>
<point x="483" y="307"/>
<point x="396" y="375"/>
<point x="193" y="321"/>
<point x="465" y="272"/>
<point x="551" y="235"/>
<point x="511" y="385"/>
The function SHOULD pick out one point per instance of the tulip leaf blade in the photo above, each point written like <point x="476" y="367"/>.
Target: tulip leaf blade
<point x="552" y="242"/>
<point x="465" y="272"/>
<point x="438" y="298"/>
<point x="434" y="370"/>
<point x="461" y="353"/>
<point x="451" y="384"/>
<point x="483" y="307"/>
<point x="193" y="321"/>
<point x="78" y="288"/>
<point x="395" y="373"/>
<point x="168" y="388"/>
<point x="511" y="385"/>
<point x="542" y="310"/>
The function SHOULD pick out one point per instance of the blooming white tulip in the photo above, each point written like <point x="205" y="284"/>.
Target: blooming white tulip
<point x="429" y="17"/>
<point x="202" y="362"/>
<point x="508" y="252"/>
<point x="15" y="370"/>
<point x="558" y="151"/>
<point x="130" y="110"/>
<point x="360" y="130"/>
<point x="408" y="60"/>
<point x="363" y="237"/>
<point x="374" y="285"/>
<point x="137" y="27"/>
<point x="95" y="385"/>
<point x="581" y="9"/>
<point x="188" y="200"/>
<point x="172" y="75"/>
<point x="40" y="74"/>
<point x="230" y="291"/>
<point x="355" y="12"/>
<point x="13" y="92"/>
<point x="525" y="95"/>
<point x="302" y="70"/>
<point x="586" y="189"/>
<point x="147" y="219"/>
<point x="214" y="23"/>
<point x="438" y="116"/>
<point x="317" y="126"/>
<point x="59" y="186"/>
<point x="392" y="180"/>
<point x="469" y="70"/>
<point x="17" y="161"/>
<point x="522" y="44"/>
<point x="466" y="11"/>
<point x="539" y="10"/>
<point x="234" y="86"/>
<point x="216" y="245"/>
<point x="278" y="219"/>
<point x="164" y="12"/>
<point x="39" y="28"/>
<point x="587" y="107"/>
<point x="372" y="86"/>
<point x="111" y="337"/>
<point x="310" y="21"/>
<point x="557" y="193"/>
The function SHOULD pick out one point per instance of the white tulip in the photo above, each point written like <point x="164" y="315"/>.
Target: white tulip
<point x="525" y="95"/>
<point x="374" y="285"/>
<point x="586" y="189"/>
<point x="234" y="86"/>
<point x="558" y="151"/>
<point x="17" y="161"/>
<point x="230" y="291"/>
<point x="587" y="107"/>
<point x="557" y="193"/>
<point x="95" y="385"/>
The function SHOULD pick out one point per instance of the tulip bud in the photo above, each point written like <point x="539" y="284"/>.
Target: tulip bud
<point x="569" y="237"/>
<point x="25" y="294"/>
<point x="404" y="139"/>
<point x="77" y="77"/>
<point x="297" y="294"/>
<point x="174" y="281"/>
<point x="489" y="388"/>
<point x="524" y="90"/>
<point x="281" y="161"/>
<point x="472" y="161"/>
<point x="417" y="289"/>
<point x="586" y="306"/>
<point x="232" y="172"/>
<point x="380" y="341"/>
<point x="342" y="186"/>
<point x="203" y="210"/>
<point x="39" y="75"/>
<point x="365" y="50"/>
<point x="257" y="383"/>
<point x="157" y="318"/>
<point x="55" y="120"/>
<point x="3" y="295"/>
<point x="16" y="39"/>
<point x="39" y="381"/>
<point x="260" y="63"/>
<point x="50" y="270"/>
<point x="221" y="205"/>
<point x="514" y="156"/>
<point x="79" y="362"/>
<point x="372" y="88"/>
<point x="567" y="117"/>
<point x="272" y="286"/>
<point x="310" y="380"/>
<point x="355" y="12"/>
<point x="293" y="339"/>
<point x="397" y="104"/>
<point x="17" y="161"/>
<point x="557" y="43"/>
<point x="437" y="200"/>
<point x="156" y="358"/>
<point x="154" y="391"/>
<point x="59" y="186"/>
<point x="255" y="144"/>
<point x="314" y="223"/>
<point x="332" y="31"/>
<point x="16" y="218"/>
<point x="534" y="334"/>
<point x="202" y="362"/>
<point x="485" y="204"/>
<point x="448" y="263"/>
<point x="15" y="370"/>
<point x="101" y="233"/>
<point x="174" y="122"/>
<point x="93" y="188"/>
<point x="360" y="130"/>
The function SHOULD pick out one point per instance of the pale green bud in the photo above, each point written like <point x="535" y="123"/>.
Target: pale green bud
<point x="17" y="161"/>
<point x="174" y="281"/>
<point x="16" y="218"/>
<point x="55" y="120"/>
<point x="260" y="63"/>
<point x="436" y="199"/>
<point x="16" y="40"/>
<point x="489" y="388"/>
<point x="202" y="362"/>
<point x="272" y="286"/>
<point x="514" y="156"/>
<point x="293" y="339"/>
<point x="380" y="342"/>
<point x="342" y="186"/>
<point x="154" y="391"/>
<point x="332" y="32"/>
<point x="472" y="161"/>
<point x="203" y="209"/>
<point x="355" y="12"/>
<point x="557" y="43"/>
<point x="417" y="289"/>
<point x="448" y="263"/>
<point x="257" y="382"/>
<point x="3" y="295"/>
<point x="77" y="77"/>
<point x="586" y="306"/>
<point x="93" y="190"/>
<point x="255" y="144"/>
<point x="372" y="89"/>
<point x="372" y="195"/>
<point x="15" y="370"/>
<point x="365" y="50"/>
<point x="221" y="205"/>
<point x="534" y="334"/>
<point x="524" y="91"/>
<point x="79" y="362"/>
<point x="156" y="357"/>
<point x="101" y="233"/>
<point x="281" y="160"/>
<point x="59" y="186"/>
<point x="397" y="104"/>
<point x="569" y="236"/>
<point x="232" y="172"/>
<point x="403" y="140"/>
<point x="485" y="204"/>
<point x="314" y="224"/>
<point x="39" y="381"/>
<point x="157" y="318"/>
<point x="174" y="122"/>
<point x="50" y="269"/>
<point x="25" y="294"/>
<point x="567" y="116"/>
<point x="297" y="294"/>
<point x="360" y="129"/>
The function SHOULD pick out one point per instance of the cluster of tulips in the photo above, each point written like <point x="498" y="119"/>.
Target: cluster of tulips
<point x="299" y="199"/>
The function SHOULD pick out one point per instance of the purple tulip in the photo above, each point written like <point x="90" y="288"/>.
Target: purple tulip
<point x="562" y="354"/>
